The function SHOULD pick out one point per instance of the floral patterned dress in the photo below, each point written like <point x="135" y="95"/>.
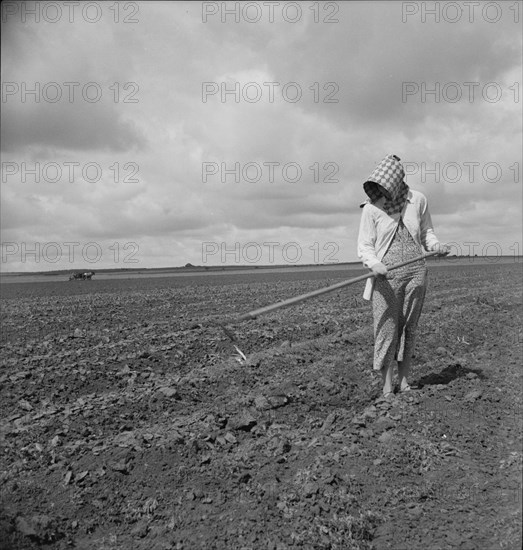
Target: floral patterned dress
<point x="397" y="300"/>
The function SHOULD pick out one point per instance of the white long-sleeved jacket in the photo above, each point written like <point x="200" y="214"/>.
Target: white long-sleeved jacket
<point x="377" y="230"/>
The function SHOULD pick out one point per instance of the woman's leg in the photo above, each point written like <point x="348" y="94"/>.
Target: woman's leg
<point x="385" y="309"/>
<point x="403" y="374"/>
<point x="412" y="305"/>
<point x="386" y="377"/>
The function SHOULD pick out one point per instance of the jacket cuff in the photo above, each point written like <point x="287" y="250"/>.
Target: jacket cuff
<point x="371" y="263"/>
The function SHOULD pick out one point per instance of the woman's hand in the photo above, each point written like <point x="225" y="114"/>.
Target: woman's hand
<point x="441" y="249"/>
<point x="379" y="269"/>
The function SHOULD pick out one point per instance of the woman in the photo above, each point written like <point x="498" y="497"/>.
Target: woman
<point x="395" y="227"/>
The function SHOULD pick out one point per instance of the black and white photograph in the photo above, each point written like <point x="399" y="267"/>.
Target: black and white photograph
<point x="261" y="275"/>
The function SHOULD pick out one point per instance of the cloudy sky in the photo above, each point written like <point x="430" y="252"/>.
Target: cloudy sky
<point x="150" y="134"/>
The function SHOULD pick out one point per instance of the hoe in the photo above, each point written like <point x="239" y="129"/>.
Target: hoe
<point x="301" y="298"/>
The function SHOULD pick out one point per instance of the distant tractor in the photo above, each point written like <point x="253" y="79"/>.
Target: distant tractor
<point x="81" y="276"/>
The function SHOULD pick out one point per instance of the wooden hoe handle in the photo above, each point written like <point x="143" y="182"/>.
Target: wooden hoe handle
<point x="297" y="299"/>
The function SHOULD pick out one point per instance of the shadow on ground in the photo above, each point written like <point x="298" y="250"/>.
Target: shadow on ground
<point x="452" y="372"/>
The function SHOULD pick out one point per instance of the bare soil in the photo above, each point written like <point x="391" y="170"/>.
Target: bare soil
<point x="128" y="422"/>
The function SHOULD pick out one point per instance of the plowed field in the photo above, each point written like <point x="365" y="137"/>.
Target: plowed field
<point x="128" y="422"/>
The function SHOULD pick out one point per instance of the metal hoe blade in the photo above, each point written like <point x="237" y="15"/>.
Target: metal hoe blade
<point x="232" y="337"/>
<point x="240" y="353"/>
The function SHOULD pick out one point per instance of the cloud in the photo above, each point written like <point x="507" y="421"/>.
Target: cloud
<point x="63" y="89"/>
<point x="161" y="200"/>
<point x="71" y="127"/>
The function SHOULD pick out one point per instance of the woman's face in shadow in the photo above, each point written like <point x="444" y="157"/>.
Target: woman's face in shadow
<point x="380" y="192"/>
<point x="380" y="202"/>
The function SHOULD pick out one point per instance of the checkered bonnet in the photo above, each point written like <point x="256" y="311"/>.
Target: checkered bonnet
<point x="388" y="180"/>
